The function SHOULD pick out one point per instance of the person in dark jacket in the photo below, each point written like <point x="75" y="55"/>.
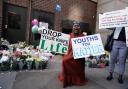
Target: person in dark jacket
<point x="119" y="49"/>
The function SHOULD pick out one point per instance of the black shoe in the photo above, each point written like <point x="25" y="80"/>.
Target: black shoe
<point x="64" y="85"/>
<point x="109" y="78"/>
<point x="120" y="80"/>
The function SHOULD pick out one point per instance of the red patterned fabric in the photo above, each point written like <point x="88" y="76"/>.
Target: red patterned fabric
<point x="73" y="70"/>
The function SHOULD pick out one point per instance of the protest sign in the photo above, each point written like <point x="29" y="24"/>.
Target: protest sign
<point x="43" y="24"/>
<point x="118" y="18"/>
<point x="53" y="41"/>
<point x="86" y="46"/>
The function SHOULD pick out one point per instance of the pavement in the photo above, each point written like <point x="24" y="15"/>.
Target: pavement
<point x="47" y="78"/>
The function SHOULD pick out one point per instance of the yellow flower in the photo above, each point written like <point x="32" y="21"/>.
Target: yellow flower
<point x="38" y="59"/>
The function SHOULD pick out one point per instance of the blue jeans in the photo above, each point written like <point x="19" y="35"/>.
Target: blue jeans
<point x="119" y="50"/>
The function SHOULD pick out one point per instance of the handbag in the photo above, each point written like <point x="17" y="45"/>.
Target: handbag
<point x="109" y="42"/>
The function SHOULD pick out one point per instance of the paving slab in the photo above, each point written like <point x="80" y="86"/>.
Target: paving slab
<point x="47" y="78"/>
<point x="7" y="79"/>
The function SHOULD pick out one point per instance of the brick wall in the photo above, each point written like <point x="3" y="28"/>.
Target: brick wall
<point x="80" y="10"/>
<point x="49" y="6"/>
<point x="19" y="2"/>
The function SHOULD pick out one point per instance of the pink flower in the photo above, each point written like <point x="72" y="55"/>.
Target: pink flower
<point x="17" y="53"/>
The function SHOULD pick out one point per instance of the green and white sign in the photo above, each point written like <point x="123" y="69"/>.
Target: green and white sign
<point x="53" y="41"/>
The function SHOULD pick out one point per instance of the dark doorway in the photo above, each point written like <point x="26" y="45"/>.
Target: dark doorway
<point x="67" y="26"/>
<point x="14" y="23"/>
<point x="66" y="30"/>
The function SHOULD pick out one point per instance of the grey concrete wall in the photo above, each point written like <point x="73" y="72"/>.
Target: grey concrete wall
<point x="106" y="6"/>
